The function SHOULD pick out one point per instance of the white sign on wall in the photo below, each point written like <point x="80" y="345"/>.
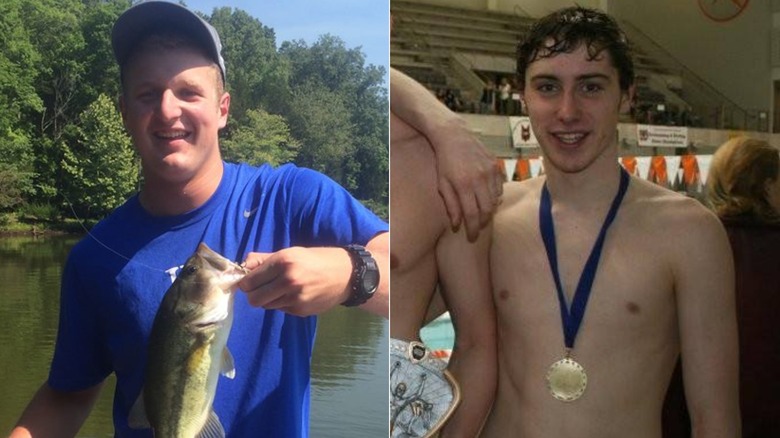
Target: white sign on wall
<point x="522" y="134"/>
<point x="662" y="136"/>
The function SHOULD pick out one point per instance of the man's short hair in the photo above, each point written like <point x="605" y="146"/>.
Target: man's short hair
<point x="564" y="30"/>
<point x="135" y="26"/>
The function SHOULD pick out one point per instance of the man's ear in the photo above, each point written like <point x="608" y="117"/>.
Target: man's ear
<point x="224" y="109"/>
<point x="627" y="99"/>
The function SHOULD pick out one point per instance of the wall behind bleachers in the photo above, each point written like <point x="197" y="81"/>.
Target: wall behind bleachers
<point x="733" y="56"/>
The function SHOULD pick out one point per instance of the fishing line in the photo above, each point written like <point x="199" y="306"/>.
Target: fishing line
<point x="122" y="256"/>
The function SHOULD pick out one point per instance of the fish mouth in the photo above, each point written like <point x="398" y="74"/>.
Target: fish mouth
<point x="230" y="272"/>
<point x="213" y="258"/>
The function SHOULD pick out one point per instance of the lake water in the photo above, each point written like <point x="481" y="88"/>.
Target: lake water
<point x="350" y="363"/>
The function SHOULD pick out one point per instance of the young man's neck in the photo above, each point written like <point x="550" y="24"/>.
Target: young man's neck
<point x="160" y="197"/>
<point x="592" y="185"/>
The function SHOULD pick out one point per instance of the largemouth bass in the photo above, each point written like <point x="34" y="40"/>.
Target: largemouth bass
<point x="187" y="350"/>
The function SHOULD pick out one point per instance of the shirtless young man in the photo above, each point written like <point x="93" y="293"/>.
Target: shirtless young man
<point x="663" y="284"/>
<point x="427" y="251"/>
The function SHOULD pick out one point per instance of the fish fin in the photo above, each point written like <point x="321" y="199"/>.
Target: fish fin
<point x="137" y="418"/>
<point x="228" y="368"/>
<point x="213" y="428"/>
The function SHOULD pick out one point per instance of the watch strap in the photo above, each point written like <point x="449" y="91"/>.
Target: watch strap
<point x="361" y="258"/>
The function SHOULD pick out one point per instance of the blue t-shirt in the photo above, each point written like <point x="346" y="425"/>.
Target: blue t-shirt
<point x="115" y="279"/>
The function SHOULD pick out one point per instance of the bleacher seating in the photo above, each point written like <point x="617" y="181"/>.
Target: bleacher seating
<point x="427" y="39"/>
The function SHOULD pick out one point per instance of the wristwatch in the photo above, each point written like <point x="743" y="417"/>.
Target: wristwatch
<point x="365" y="276"/>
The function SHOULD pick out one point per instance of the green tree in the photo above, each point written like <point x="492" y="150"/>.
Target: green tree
<point x="328" y="61"/>
<point x="53" y="29"/>
<point x="101" y="73"/>
<point x="19" y="102"/>
<point x="99" y="163"/>
<point x="262" y="138"/>
<point x="56" y="33"/>
<point x="330" y="69"/>
<point x="19" y="105"/>
<point x="16" y="175"/>
<point x="256" y="75"/>
<point x="320" y="120"/>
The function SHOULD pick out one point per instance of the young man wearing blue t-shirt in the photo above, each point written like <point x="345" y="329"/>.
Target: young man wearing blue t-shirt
<point x="290" y="225"/>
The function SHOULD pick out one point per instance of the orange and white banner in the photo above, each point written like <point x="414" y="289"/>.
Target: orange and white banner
<point x="671" y="171"/>
<point x="509" y="168"/>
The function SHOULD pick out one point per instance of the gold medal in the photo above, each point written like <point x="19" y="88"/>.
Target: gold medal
<point x="566" y="379"/>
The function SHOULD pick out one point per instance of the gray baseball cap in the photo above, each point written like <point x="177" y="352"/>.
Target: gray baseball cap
<point x="145" y="17"/>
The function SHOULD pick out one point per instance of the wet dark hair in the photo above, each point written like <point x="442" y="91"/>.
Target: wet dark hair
<point x="564" y="30"/>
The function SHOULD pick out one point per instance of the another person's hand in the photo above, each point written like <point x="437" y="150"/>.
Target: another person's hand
<point x="470" y="181"/>
<point x="469" y="178"/>
<point x="299" y="281"/>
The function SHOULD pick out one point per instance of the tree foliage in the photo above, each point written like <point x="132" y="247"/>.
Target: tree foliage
<point x="320" y="118"/>
<point x="262" y="138"/>
<point x="100" y="165"/>
<point x="337" y="79"/>
<point x="257" y="77"/>
<point x="318" y="106"/>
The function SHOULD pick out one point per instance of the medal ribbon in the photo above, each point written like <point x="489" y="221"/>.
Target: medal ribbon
<point x="572" y="318"/>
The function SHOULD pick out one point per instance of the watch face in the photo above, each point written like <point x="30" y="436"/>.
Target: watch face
<point x="370" y="280"/>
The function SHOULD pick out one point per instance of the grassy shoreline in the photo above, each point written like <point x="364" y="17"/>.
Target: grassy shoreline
<point x="13" y="225"/>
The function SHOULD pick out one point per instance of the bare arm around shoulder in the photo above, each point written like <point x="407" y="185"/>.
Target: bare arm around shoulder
<point x="704" y="282"/>
<point x="464" y="275"/>
<point x="53" y="414"/>
<point x="469" y="179"/>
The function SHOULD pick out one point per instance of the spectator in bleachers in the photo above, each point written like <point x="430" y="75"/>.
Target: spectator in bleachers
<point x="515" y="95"/>
<point x="487" y="103"/>
<point x="504" y="91"/>
<point x="687" y="117"/>
<point x="441" y="93"/>
<point x="743" y="188"/>
<point x="451" y="100"/>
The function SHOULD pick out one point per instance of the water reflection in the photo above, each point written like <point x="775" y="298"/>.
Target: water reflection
<point x="350" y="376"/>
<point x="349" y="367"/>
<point x="30" y="270"/>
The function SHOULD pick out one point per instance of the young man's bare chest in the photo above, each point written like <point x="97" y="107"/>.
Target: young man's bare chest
<point x="632" y="292"/>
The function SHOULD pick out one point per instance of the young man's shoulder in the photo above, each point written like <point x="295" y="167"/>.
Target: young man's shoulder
<point x="667" y="202"/>
<point x="670" y="212"/>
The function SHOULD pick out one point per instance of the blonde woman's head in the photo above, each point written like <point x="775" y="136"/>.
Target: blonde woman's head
<point x="743" y="180"/>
